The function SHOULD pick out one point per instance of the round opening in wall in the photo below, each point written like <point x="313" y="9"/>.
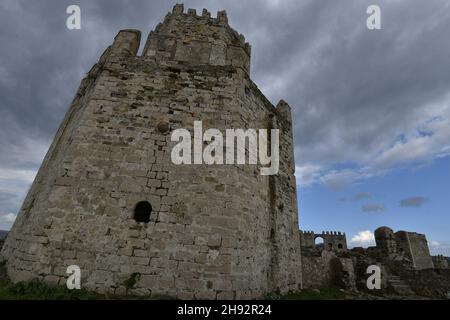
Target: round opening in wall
<point x="163" y="127"/>
<point x="142" y="211"/>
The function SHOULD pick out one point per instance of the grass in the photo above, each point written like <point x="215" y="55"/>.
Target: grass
<point x="38" y="290"/>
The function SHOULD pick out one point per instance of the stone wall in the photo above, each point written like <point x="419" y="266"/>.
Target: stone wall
<point x="332" y="240"/>
<point x="325" y="268"/>
<point x="428" y="282"/>
<point x="316" y="268"/>
<point x="409" y="245"/>
<point x="414" y="246"/>
<point x="215" y="231"/>
<point x="440" y="262"/>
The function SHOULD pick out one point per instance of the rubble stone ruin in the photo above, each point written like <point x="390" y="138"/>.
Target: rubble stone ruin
<point x="407" y="268"/>
<point x="108" y="198"/>
<point x="411" y="245"/>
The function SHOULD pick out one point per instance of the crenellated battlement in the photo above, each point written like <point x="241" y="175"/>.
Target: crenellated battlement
<point x="336" y="233"/>
<point x="189" y="38"/>
<point x="178" y="9"/>
<point x="333" y="240"/>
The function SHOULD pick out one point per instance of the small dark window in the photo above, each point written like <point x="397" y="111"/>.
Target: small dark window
<point x="142" y="211"/>
<point x="330" y="245"/>
<point x="340" y="246"/>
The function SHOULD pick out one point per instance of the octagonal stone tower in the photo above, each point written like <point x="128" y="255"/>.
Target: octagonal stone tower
<point x="109" y="199"/>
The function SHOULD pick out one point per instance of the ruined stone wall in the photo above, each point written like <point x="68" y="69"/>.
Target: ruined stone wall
<point x="316" y="268"/>
<point x="440" y="262"/>
<point x="428" y="282"/>
<point x="215" y="231"/>
<point x="386" y="241"/>
<point x="324" y="268"/>
<point x="414" y="246"/>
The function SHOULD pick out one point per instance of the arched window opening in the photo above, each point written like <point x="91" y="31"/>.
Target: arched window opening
<point x="319" y="242"/>
<point x="142" y="211"/>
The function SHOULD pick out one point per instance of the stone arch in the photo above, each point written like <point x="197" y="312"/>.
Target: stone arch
<point x="319" y="241"/>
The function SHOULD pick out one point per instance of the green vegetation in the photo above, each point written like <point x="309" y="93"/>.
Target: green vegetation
<point x="38" y="290"/>
<point x="131" y="281"/>
<point x="308" y="294"/>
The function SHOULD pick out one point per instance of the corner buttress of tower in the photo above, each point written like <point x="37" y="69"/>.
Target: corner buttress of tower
<point x="284" y="110"/>
<point x="126" y="43"/>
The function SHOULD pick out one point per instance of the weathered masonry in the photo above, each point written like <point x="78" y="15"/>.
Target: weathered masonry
<point x="332" y="240"/>
<point x="108" y="198"/>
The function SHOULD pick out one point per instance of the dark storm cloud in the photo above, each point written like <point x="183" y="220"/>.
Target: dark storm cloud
<point x="414" y="202"/>
<point x="354" y="92"/>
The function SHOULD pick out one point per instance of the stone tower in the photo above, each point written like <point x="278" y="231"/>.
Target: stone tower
<point x="109" y="199"/>
<point x="385" y="240"/>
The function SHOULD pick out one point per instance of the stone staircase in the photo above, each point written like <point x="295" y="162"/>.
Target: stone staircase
<point x="400" y="287"/>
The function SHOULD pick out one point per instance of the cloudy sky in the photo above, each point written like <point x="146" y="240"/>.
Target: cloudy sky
<point x="371" y="107"/>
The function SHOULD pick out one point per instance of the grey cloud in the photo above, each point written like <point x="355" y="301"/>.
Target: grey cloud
<point x="357" y="197"/>
<point x="414" y="202"/>
<point x="9" y="201"/>
<point x="372" y="207"/>
<point x="352" y="91"/>
<point x="6" y="197"/>
<point x="362" y="195"/>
